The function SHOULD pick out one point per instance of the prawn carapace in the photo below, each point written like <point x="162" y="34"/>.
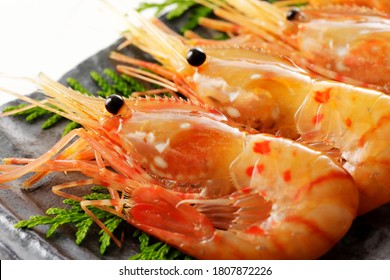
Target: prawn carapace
<point x="379" y="5"/>
<point x="342" y="43"/>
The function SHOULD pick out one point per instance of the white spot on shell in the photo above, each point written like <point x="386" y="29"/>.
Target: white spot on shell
<point x="341" y="67"/>
<point x="233" y="112"/>
<point x="142" y="136"/>
<point x="255" y="76"/>
<point x="150" y="138"/>
<point x="275" y="113"/>
<point x="233" y="95"/>
<point x="159" y="172"/>
<point x="160" y="162"/>
<point x="136" y="135"/>
<point x="185" y="125"/>
<point x="160" y="147"/>
<point x="375" y="49"/>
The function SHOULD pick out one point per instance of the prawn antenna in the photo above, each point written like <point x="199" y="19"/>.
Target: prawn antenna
<point x="167" y="49"/>
<point x="270" y="18"/>
<point x="61" y="100"/>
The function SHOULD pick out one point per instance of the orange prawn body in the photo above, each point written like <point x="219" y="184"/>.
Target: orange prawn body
<point x="185" y="174"/>
<point x="292" y="105"/>
<point x="179" y="144"/>
<point x="277" y="212"/>
<point x="271" y="94"/>
<point x="380" y="5"/>
<point x="342" y="43"/>
<point x="252" y="91"/>
<point x="354" y="46"/>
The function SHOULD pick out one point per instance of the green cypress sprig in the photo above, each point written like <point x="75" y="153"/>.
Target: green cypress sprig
<point x="119" y="84"/>
<point x="176" y="8"/>
<point x="105" y="88"/>
<point x="15" y="107"/>
<point x="30" y="114"/>
<point x="75" y="85"/>
<point x="133" y="83"/>
<point x="105" y="240"/>
<point x="56" y="217"/>
<point x="51" y="121"/>
<point x="193" y="20"/>
<point x="151" y="249"/>
<point x="69" y="127"/>
<point x="34" y="113"/>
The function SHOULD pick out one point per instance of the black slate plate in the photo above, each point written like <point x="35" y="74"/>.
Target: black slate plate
<point x="368" y="238"/>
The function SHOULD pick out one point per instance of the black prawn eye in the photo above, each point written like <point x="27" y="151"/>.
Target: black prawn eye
<point x="196" y="57"/>
<point x="292" y="14"/>
<point x="114" y="103"/>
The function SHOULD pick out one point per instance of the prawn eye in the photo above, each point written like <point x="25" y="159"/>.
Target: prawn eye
<point x="114" y="103"/>
<point x="196" y="57"/>
<point x="292" y="14"/>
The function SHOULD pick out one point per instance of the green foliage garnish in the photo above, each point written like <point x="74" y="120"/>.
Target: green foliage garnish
<point x="197" y="13"/>
<point x="133" y="83"/>
<point x="150" y="249"/>
<point x="156" y="250"/>
<point x="177" y="8"/>
<point x="69" y="127"/>
<point x="105" y="88"/>
<point x="115" y="83"/>
<point x="51" y="121"/>
<point x="56" y="217"/>
<point x="123" y="84"/>
<point x="74" y="84"/>
<point x="31" y="114"/>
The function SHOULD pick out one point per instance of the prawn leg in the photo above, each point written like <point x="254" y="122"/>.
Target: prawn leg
<point x="98" y="175"/>
<point x="114" y="158"/>
<point x="31" y="166"/>
<point x="105" y="205"/>
<point x="77" y="150"/>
